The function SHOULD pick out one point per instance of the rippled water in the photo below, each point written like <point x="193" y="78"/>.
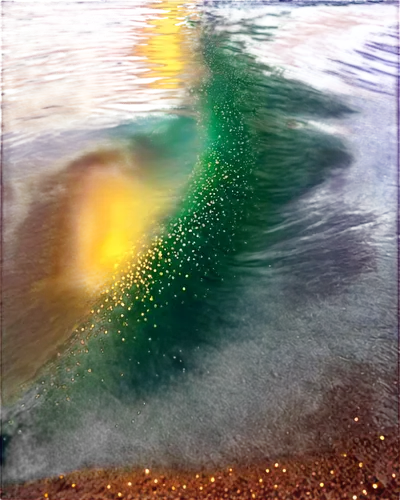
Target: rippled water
<point x="275" y="125"/>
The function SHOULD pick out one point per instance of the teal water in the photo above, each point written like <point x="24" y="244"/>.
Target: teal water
<point x="255" y="296"/>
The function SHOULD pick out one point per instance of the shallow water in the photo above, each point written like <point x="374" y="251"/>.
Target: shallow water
<point x="292" y="291"/>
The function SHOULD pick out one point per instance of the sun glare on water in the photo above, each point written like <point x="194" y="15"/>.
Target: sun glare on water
<point x="111" y="221"/>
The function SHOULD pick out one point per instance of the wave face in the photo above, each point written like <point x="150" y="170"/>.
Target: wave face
<point x="181" y="298"/>
<point x="258" y="317"/>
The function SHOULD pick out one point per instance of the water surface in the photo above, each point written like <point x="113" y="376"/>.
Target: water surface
<point x="269" y="134"/>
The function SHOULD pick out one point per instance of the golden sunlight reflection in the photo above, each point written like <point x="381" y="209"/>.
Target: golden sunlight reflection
<point x="111" y="218"/>
<point x="99" y="209"/>
<point x="165" y="45"/>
